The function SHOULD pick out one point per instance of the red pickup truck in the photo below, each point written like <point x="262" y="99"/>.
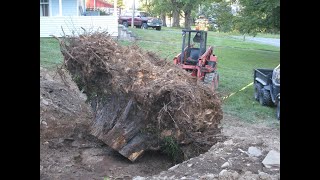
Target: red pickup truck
<point x="141" y="20"/>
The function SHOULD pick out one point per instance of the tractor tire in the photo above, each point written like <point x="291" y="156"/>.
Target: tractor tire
<point x="265" y="97"/>
<point x="278" y="110"/>
<point x="125" y="23"/>
<point x="158" y="28"/>
<point x="257" y="89"/>
<point x="144" y="26"/>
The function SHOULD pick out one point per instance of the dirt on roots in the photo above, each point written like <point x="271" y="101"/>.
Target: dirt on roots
<point x="138" y="99"/>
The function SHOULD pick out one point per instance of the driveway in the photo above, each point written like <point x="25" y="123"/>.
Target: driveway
<point x="270" y="41"/>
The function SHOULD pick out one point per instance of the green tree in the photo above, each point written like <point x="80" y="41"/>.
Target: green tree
<point x="221" y="14"/>
<point x="119" y="3"/>
<point x="258" y="16"/>
<point x="158" y="8"/>
<point x="188" y="7"/>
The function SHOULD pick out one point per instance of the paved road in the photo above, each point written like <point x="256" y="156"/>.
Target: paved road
<point x="270" y="41"/>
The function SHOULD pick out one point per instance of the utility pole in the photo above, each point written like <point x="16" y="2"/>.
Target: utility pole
<point x="133" y="9"/>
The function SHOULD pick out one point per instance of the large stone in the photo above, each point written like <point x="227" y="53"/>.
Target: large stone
<point x="272" y="159"/>
<point x="225" y="165"/>
<point x="253" y="151"/>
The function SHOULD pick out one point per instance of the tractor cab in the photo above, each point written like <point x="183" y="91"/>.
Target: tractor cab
<point x="194" y="44"/>
<point x="196" y="58"/>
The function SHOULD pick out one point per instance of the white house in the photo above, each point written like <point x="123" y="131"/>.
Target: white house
<point x="68" y="15"/>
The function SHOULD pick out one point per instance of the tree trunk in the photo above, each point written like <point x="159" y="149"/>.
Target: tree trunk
<point x="163" y="17"/>
<point x="187" y="19"/>
<point x="176" y="18"/>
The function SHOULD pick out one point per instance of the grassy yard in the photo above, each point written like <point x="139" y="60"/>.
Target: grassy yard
<point x="237" y="59"/>
<point x="50" y="55"/>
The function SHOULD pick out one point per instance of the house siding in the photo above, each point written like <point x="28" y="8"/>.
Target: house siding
<point x="52" y="25"/>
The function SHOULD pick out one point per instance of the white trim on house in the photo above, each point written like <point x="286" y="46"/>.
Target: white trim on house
<point x="60" y="7"/>
<point x="77" y="8"/>
<point x="50" y="7"/>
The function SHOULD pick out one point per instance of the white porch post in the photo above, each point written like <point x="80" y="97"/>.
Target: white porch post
<point x="115" y="8"/>
<point x="60" y="7"/>
<point x="77" y="7"/>
<point x="94" y="4"/>
<point x="50" y="8"/>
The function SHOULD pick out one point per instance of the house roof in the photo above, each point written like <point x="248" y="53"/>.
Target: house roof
<point x="99" y="3"/>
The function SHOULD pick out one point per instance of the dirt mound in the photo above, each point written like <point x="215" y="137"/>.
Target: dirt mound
<point x="63" y="112"/>
<point x="231" y="159"/>
<point x="68" y="150"/>
<point x="139" y="100"/>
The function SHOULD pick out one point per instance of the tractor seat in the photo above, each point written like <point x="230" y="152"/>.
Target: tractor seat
<point x="193" y="56"/>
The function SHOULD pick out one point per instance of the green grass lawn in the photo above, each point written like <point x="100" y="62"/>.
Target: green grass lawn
<point x="236" y="61"/>
<point x="50" y="55"/>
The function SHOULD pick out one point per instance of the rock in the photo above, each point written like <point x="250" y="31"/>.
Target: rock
<point x="44" y="123"/>
<point x="45" y="102"/>
<point x="253" y="151"/>
<point x="272" y="159"/>
<point x="235" y="175"/>
<point x="242" y="151"/>
<point x="222" y="172"/>
<point x="227" y="175"/>
<point x="189" y="165"/>
<point x="173" y="167"/>
<point x="249" y="176"/>
<point x="229" y="142"/>
<point x="264" y="176"/>
<point x="41" y="167"/>
<point x="225" y="165"/>
<point x="183" y="177"/>
<point x="208" y="177"/>
<point x="138" y="178"/>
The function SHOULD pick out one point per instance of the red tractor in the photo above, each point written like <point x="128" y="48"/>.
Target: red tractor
<point x="197" y="59"/>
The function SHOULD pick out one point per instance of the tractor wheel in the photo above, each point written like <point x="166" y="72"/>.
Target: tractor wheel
<point x="278" y="110"/>
<point x="257" y="89"/>
<point x="265" y="97"/>
<point x="125" y="23"/>
<point x="144" y="26"/>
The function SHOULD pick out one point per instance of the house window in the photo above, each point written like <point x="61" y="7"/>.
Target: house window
<point x="44" y="7"/>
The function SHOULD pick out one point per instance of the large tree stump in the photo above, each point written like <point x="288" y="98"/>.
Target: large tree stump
<point x="138" y="99"/>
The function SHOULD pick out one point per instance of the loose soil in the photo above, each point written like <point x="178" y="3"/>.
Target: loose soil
<point x="68" y="151"/>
